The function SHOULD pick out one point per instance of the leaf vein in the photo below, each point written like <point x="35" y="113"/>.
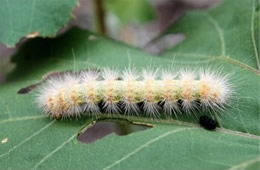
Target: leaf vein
<point x="224" y="58"/>
<point x="245" y="164"/>
<point x="144" y="146"/>
<point x="220" y="34"/>
<point x="27" y="139"/>
<point x="54" y="151"/>
<point x="21" y="119"/>
<point x="253" y="36"/>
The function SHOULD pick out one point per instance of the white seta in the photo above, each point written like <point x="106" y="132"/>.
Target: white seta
<point x="148" y="93"/>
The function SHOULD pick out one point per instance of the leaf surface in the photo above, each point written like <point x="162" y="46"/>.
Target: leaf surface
<point x="31" y="18"/>
<point x="221" y="32"/>
<point x="139" y="11"/>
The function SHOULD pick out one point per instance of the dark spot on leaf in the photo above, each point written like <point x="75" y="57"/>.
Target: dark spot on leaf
<point x="208" y="123"/>
<point x="105" y="127"/>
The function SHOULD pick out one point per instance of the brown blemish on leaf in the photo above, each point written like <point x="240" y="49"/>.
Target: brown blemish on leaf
<point x="143" y="124"/>
<point x="4" y="140"/>
<point x="92" y="37"/>
<point x="33" y="34"/>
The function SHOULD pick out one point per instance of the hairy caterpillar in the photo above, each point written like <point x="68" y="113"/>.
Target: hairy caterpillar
<point x="95" y="92"/>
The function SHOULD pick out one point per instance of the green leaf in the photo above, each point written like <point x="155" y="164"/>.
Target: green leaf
<point x="21" y="18"/>
<point x="230" y="31"/>
<point x="38" y="142"/>
<point x="131" y="10"/>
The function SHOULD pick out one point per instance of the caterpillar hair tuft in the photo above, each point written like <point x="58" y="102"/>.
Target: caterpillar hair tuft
<point x="150" y="93"/>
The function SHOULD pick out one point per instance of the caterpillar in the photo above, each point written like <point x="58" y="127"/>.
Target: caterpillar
<point x="129" y="92"/>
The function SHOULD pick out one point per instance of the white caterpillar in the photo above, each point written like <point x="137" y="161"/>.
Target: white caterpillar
<point x="93" y="92"/>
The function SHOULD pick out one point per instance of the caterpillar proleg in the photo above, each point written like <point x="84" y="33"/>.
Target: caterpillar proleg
<point x="149" y="93"/>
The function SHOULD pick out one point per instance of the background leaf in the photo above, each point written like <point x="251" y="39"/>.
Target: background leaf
<point x="131" y="10"/>
<point x="230" y="31"/>
<point x="38" y="142"/>
<point x="21" y="18"/>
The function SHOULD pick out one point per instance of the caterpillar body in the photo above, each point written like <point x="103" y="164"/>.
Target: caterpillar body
<point x="96" y="92"/>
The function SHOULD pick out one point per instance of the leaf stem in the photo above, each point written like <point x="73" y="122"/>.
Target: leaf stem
<point x="100" y="16"/>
